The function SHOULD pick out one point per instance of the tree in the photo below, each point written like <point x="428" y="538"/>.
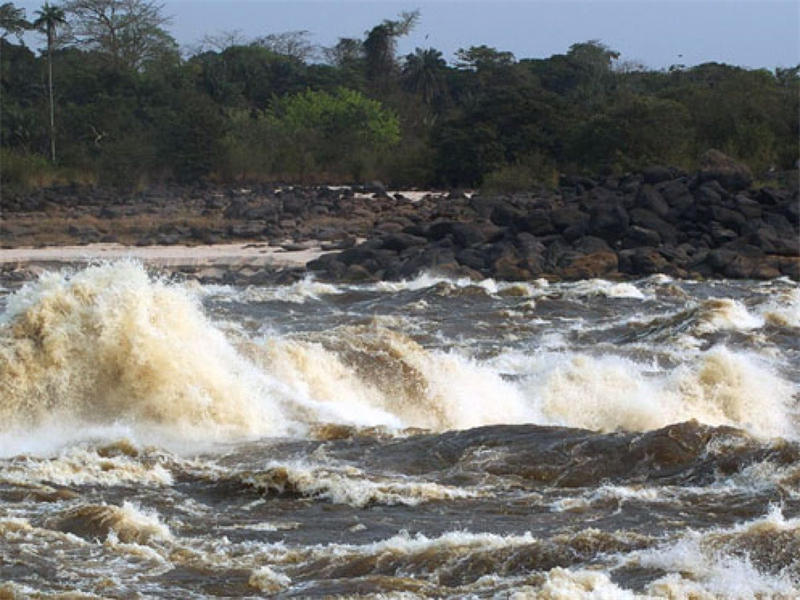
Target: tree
<point x="12" y="20"/>
<point x="478" y="58"/>
<point x="346" y="52"/>
<point x="423" y="74"/>
<point x="48" y="18"/>
<point x="344" y="129"/>
<point x="129" y="32"/>
<point x="381" y="43"/>
<point x="293" y="44"/>
<point x="248" y="75"/>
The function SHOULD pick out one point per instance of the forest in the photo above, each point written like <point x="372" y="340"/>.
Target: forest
<point x="111" y="99"/>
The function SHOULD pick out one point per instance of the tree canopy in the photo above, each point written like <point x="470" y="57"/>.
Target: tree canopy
<point x="128" y="108"/>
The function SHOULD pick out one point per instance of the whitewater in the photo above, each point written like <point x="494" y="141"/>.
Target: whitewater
<point x="431" y="438"/>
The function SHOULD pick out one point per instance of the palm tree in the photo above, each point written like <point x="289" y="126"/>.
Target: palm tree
<point x="423" y="74"/>
<point x="12" y="20"/>
<point x="47" y="19"/>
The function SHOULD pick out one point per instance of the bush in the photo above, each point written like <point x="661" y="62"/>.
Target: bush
<point x="344" y="132"/>
<point x="23" y="171"/>
<point x="528" y="173"/>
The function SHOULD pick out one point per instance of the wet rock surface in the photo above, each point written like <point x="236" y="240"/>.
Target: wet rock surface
<point x="712" y="223"/>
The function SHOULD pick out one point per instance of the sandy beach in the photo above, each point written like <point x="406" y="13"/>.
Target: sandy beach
<point x="241" y="254"/>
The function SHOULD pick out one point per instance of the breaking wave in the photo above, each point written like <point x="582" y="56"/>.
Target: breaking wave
<point x="112" y="347"/>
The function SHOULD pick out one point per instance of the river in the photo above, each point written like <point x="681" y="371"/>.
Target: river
<point x="432" y="438"/>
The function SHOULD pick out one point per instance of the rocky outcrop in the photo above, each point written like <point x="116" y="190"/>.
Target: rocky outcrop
<point x="659" y="221"/>
<point x="708" y="224"/>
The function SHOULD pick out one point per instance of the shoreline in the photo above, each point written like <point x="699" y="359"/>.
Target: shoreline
<point x="713" y="224"/>
<point x="212" y="255"/>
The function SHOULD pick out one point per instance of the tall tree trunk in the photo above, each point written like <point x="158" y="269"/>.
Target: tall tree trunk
<point x="50" y="84"/>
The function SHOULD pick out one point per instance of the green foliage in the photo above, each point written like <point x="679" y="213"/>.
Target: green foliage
<point x="423" y="74"/>
<point x="344" y="129"/>
<point x="634" y="132"/>
<point x="479" y="58"/>
<point x="250" y="146"/>
<point x="379" y="48"/>
<point x="527" y="173"/>
<point x="12" y="20"/>
<point x="21" y="170"/>
<point x="127" y="112"/>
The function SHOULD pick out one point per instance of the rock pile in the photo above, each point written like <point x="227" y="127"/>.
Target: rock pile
<point x="712" y="223"/>
<point x="658" y="221"/>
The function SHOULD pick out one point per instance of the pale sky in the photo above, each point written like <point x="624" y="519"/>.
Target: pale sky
<point x="657" y="33"/>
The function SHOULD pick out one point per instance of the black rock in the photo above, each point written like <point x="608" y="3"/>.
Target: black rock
<point x="400" y="241"/>
<point x="650" y="199"/>
<point x="656" y="174"/>
<point x="609" y="222"/>
<point x="564" y="218"/>
<point x="730" y="174"/>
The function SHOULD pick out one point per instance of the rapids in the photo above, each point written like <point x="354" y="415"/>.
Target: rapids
<point x="427" y="438"/>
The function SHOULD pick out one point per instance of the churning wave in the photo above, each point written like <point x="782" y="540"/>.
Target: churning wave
<point x="114" y="347"/>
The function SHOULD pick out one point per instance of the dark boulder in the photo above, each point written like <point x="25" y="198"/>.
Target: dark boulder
<point x="609" y="221"/>
<point x="463" y="234"/>
<point x="583" y="266"/>
<point x="505" y="215"/>
<point x="590" y="244"/>
<point x="537" y="221"/>
<point x="527" y="243"/>
<point x="656" y="174"/>
<point x="649" y="220"/>
<point x="294" y="204"/>
<point x="750" y="208"/>
<point x="400" y="241"/>
<point x="732" y="175"/>
<point x="650" y="199"/>
<point x="472" y="258"/>
<point x="564" y="218"/>
<point x="427" y="260"/>
<point x="677" y="196"/>
<point x="509" y="268"/>
<point x="730" y="218"/>
<point x="641" y="236"/>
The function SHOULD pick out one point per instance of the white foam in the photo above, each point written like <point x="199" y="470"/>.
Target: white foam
<point x="707" y="563"/>
<point x="348" y="485"/>
<point x="718" y="314"/>
<point x="601" y="287"/>
<point x="264" y="579"/>
<point x="783" y="309"/>
<point x="80" y="466"/>
<point x="606" y="393"/>
<point x="109" y="352"/>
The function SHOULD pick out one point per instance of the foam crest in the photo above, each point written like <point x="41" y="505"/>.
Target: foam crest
<point x="265" y="579"/>
<point x="755" y="559"/>
<point x="81" y="466"/>
<point x="574" y="584"/>
<point x="349" y="485"/>
<point x="108" y="351"/>
<point x="607" y="393"/>
<point x="427" y="280"/>
<point x="390" y="372"/>
<point x="129" y="523"/>
<point x="109" y="344"/>
<point x="784" y="309"/>
<point x="299" y="292"/>
<point x="717" y="314"/>
<point x="601" y="287"/>
<point x="109" y="347"/>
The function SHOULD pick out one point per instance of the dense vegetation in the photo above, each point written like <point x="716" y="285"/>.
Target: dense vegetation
<point x="127" y="109"/>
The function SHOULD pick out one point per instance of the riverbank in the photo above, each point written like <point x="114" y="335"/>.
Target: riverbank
<point x="709" y="224"/>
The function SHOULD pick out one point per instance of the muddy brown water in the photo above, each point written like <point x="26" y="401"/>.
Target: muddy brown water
<point x="425" y="439"/>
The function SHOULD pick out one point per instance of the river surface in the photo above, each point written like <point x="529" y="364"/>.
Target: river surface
<point x="425" y="439"/>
